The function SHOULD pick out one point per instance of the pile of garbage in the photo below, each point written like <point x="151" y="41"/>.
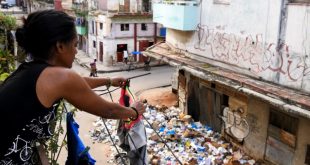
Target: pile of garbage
<point x="182" y="140"/>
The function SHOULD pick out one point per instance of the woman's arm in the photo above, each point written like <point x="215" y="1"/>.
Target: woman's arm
<point x="95" y="82"/>
<point x="55" y="83"/>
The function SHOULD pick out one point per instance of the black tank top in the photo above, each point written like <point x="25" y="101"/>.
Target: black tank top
<point x="23" y="119"/>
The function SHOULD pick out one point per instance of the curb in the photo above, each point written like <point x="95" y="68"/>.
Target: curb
<point x="120" y="70"/>
<point x="143" y="90"/>
<point x="77" y="60"/>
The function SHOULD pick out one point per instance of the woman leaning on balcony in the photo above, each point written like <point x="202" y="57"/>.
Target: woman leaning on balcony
<point x="30" y="96"/>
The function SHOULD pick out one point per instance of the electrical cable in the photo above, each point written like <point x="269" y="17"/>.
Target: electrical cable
<point x="162" y="140"/>
<point x="122" y="158"/>
<point x="127" y="84"/>
<point x="123" y="161"/>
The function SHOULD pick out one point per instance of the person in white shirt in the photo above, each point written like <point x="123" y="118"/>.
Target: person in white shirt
<point x="125" y="56"/>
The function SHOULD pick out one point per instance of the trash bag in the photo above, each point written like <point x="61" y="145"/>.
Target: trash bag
<point x="77" y="152"/>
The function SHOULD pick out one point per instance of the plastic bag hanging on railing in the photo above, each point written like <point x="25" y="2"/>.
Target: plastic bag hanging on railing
<point x="132" y="134"/>
<point x="77" y="152"/>
<point x="126" y="99"/>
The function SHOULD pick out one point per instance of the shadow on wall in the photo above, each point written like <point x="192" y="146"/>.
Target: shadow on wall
<point x="181" y="36"/>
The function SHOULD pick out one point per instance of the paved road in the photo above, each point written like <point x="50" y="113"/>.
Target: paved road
<point x="160" y="76"/>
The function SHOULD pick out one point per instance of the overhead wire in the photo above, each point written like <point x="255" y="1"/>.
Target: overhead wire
<point x="162" y="140"/>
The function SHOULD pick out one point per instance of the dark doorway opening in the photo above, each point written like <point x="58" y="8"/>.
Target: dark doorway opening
<point x="205" y="104"/>
<point x="120" y="52"/>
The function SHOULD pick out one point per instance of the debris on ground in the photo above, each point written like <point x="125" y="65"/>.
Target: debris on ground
<point x="191" y="142"/>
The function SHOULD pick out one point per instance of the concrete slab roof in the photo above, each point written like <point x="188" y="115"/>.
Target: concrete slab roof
<point x="286" y="99"/>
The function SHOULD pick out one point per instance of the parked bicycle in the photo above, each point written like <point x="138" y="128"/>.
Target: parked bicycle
<point x="131" y="63"/>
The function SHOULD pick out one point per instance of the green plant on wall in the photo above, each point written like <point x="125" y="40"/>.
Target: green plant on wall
<point x="7" y="22"/>
<point x="7" y="61"/>
<point x="58" y="141"/>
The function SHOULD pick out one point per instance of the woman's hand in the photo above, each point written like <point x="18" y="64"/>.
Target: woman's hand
<point x="139" y="106"/>
<point x="118" y="81"/>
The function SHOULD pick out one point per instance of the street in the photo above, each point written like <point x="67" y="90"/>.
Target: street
<point x="160" y="76"/>
<point x="241" y="71"/>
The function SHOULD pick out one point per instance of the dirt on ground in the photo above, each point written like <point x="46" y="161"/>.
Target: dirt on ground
<point x="159" y="97"/>
<point x="102" y="152"/>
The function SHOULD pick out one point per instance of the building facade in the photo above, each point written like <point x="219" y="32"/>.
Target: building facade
<point x="242" y="68"/>
<point x="120" y="26"/>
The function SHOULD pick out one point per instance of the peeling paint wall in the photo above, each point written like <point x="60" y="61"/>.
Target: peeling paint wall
<point x="106" y="26"/>
<point x="149" y="32"/>
<point x="245" y="34"/>
<point x="113" y="5"/>
<point x="297" y="62"/>
<point x="116" y="31"/>
<point x="103" y="5"/>
<point x="182" y="94"/>
<point x="302" y="142"/>
<point x="257" y="117"/>
<point x="92" y="52"/>
<point x="111" y="35"/>
<point x="111" y="46"/>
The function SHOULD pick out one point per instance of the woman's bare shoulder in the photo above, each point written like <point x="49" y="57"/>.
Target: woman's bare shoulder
<point x="60" y="74"/>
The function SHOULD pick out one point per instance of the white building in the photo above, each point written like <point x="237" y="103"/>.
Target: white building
<point x="243" y="68"/>
<point x="116" y="27"/>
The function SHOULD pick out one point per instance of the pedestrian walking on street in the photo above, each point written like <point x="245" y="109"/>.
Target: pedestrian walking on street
<point x="125" y="56"/>
<point x="93" y="69"/>
<point x="30" y="96"/>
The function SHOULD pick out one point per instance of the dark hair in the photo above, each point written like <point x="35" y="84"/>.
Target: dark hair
<point x="42" y="30"/>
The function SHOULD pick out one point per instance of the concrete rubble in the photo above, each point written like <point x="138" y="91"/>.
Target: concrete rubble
<point x="191" y="142"/>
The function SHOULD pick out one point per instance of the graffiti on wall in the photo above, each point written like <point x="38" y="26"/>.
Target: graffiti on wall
<point x="254" y="125"/>
<point x="250" y="51"/>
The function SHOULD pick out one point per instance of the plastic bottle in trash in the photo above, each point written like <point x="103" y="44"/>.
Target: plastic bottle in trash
<point x="168" y="161"/>
<point x="208" y="161"/>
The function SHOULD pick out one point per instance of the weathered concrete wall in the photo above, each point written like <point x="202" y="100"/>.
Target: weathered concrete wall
<point x="295" y="64"/>
<point x="148" y="32"/>
<point x="106" y="26"/>
<point x="158" y="29"/>
<point x="111" y="35"/>
<point x="91" y="37"/>
<point x="135" y="5"/>
<point x="111" y="46"/>
<point x="257" y="118"/>
<point x="103" y="5"/>
<point x="245" y="34"/>
<point x="116" y="31"/>
<point x="113" y="5"/>
<point x="303" y="139"/>
<point x="91" y="50"/>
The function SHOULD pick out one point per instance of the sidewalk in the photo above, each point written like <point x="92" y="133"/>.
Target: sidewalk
<point x="12" y="10"/>
<point x="84" y="60"/>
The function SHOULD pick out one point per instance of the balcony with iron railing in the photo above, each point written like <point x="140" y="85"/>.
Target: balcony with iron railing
<point x="180" y="15"/>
